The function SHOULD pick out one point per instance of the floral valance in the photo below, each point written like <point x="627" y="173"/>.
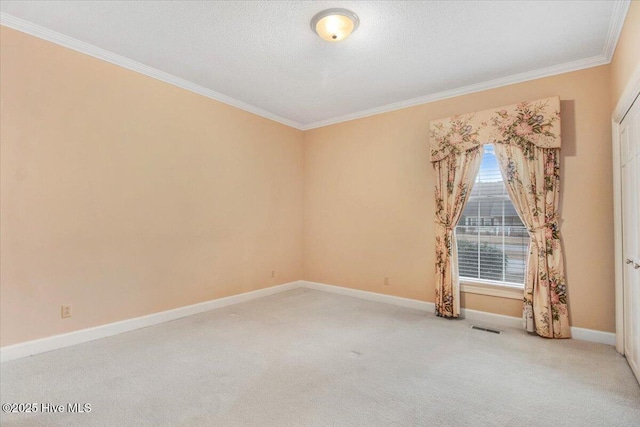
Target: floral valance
<point x="532" y="122"/>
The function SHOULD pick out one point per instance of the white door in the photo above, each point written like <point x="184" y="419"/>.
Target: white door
<point x="630" y="162"/>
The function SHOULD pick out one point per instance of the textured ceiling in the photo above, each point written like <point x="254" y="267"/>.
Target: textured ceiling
<point x="263" y="55"/>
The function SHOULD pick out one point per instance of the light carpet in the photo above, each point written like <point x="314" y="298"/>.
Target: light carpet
<point x="311" y="358"/>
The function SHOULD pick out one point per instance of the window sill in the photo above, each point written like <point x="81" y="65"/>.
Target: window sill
<point x="492" y="289"/>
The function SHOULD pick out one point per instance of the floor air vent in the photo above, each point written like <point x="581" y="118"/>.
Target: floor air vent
<point x="480" y="328"/>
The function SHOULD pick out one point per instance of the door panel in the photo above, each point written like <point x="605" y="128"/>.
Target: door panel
<point x="630" y="162"/>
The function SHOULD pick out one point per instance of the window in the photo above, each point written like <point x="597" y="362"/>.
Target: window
<point x="492" y="241"/>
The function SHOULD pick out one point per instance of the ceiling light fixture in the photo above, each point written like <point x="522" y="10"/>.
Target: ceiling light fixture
<point x="334" y="25"/>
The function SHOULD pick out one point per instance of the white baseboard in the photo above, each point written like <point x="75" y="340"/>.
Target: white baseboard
<point x="472" y="315"/>
<point x="56" y="342"/>
<point x="483" y="317"/>
<point x="592" y="335"/>
<point x="491" y="319"/>
<point x="370" y="296"/>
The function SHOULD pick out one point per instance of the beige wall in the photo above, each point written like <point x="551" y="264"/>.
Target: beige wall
<point x="369" y="208"/>
<point x="627" y="55"/>
<point x="124" y="196"/>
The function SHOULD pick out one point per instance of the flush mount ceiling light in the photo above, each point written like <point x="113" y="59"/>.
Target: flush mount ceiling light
<point x="334" y="25"/>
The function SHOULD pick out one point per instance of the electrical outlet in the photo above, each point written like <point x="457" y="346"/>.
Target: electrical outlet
<point x="273" y="274"/>
<point x="386" y="281"/>
<point x="65" y="311"/>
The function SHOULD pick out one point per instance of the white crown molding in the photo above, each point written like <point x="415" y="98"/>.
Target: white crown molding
<point x="620" y="10"/>
<point x="615" y="27"/>
<point x="113" y="58"/>
<point x="616" y="22"/>
<point x="567" y="67"/>
<point x="43" y="345"/>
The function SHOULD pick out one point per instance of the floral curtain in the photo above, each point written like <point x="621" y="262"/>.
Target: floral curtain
<point x="526" y="137"/>
<point x="532" y="177"/>
<point x="455" y="176"/>
<point x="534" y="123"/>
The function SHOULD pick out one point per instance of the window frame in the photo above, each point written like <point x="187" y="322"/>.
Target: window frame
<point x="495" y="288"/>
<point x="491" y="288"/>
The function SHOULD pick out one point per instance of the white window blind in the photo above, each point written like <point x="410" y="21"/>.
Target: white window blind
<point x="492" y="240"/>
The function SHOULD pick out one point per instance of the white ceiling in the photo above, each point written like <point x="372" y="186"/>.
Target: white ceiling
<point x="262" y="56"/>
